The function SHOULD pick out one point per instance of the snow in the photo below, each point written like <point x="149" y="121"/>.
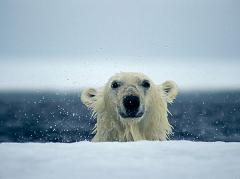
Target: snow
<point x="145" y="159"/>
<point x="69" y="73"/>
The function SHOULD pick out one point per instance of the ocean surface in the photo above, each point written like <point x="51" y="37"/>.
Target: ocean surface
<point x="40" y="116"/>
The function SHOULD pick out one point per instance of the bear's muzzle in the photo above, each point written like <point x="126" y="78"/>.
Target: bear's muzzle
<point x="131" y="105"/>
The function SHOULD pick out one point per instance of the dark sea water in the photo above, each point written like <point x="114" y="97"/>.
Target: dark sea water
<point x="61" y="117"/>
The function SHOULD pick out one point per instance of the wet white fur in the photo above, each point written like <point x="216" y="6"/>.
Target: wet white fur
<point x="110" y="126"/>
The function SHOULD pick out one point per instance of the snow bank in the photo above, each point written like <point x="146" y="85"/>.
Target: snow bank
<point x="170" y="159"/>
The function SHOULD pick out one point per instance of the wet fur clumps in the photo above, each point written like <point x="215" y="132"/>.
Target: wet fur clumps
<point x="106" y="104"/>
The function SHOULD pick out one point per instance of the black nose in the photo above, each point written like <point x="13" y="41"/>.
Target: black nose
<point x="131" y="105"/>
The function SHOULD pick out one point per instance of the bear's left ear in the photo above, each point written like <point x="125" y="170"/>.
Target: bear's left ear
<point x="170" y="89"/>
<point x="88" y="97"/>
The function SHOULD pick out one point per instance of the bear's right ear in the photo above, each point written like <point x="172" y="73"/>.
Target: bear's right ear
<point x="170" y="89"/>
<point x="88" y="97"/>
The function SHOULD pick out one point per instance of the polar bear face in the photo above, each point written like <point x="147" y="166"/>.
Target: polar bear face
<point x="130" y="97"/>
<point x="129" y="94"/>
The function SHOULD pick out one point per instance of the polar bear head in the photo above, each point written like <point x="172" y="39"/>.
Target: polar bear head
<point x="131" y="99"/>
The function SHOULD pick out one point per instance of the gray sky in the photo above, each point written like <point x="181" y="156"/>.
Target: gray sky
<point x="185" y="28"/>
<point x="187" y="38"/>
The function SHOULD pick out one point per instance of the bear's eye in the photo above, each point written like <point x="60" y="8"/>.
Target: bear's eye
<point x="146" y="84"/>
<point x="115" y="84"/>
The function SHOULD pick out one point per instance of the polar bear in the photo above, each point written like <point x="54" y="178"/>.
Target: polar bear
<point x="130" y="107"/>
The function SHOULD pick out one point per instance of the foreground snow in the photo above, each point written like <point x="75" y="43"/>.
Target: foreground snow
<point x="84" y="160"/>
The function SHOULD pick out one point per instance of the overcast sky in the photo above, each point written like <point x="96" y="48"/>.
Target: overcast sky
<point x="72" y="43"/>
